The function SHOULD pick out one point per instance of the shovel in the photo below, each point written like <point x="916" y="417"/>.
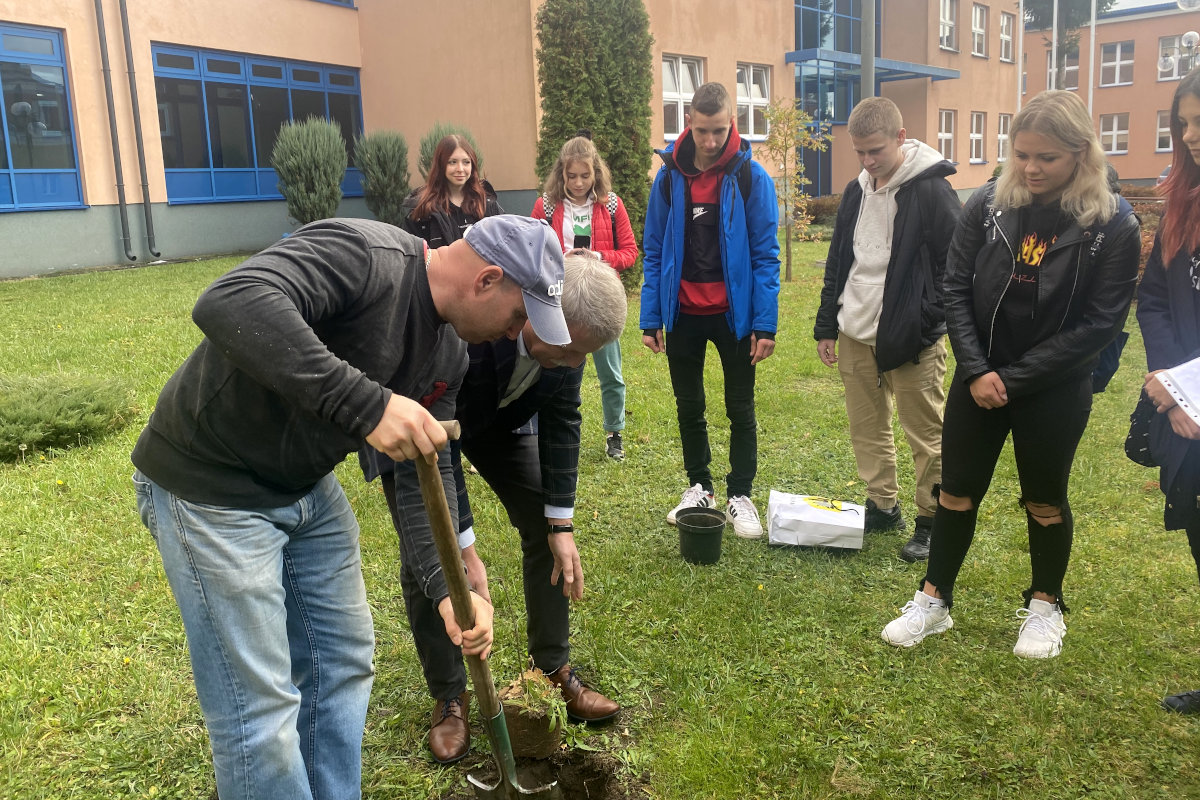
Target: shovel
<point x="434" y="496"/>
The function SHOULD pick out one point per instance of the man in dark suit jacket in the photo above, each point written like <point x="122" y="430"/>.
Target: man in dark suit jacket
<point x="534" y="476"/>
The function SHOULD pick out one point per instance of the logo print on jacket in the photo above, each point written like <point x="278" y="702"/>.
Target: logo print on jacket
<point x="439" y="389"/>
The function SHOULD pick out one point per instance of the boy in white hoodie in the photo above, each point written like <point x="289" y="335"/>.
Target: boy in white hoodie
<point x="883" y="299"/>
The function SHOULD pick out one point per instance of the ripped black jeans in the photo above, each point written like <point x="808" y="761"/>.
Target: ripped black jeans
<point x="1046" y="428"/>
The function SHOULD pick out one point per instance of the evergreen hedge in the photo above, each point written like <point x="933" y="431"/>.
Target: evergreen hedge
<point x="58" y="411"/>
<point x="429" y="143"/>
<point x="310" y="160"/>
<point x="383" y="158"/>
<point x="595" y="71"/>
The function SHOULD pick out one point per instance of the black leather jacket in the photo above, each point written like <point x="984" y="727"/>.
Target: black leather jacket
<point x="1085" y="286"/>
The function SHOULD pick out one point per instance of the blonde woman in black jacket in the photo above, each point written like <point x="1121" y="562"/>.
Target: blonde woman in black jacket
<point x="1038" y="281"/>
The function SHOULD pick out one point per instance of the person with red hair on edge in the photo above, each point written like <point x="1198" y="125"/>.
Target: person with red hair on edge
<point x="1168" y="312"/>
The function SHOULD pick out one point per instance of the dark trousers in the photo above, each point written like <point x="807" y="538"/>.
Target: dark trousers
<point x="686" y="345"/>
<point x="1193" y="534"/>
<point x="1046" y="428"/>
<point x="511" y="466"/>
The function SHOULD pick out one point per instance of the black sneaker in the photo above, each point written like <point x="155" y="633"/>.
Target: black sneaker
<point x="881" y="520"/>
<point x="1184" y="703"/>
<point x="917" y="548"/>
<point x="613" y="447"/>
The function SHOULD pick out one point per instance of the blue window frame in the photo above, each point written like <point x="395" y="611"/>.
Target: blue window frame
<point x="38" y="165"/>
<point x="219" y="114"/>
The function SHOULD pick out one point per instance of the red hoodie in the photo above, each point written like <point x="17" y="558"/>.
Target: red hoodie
<point x="702" y="287"/>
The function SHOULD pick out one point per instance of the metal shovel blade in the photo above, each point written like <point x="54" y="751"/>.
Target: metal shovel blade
<point x="509" y="790"/>
<point x="434" y="496"/>
<point x="507" y="786"/>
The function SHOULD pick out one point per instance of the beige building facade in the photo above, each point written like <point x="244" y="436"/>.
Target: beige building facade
<point x="1130" y="95"/>
<point x="212" y="81"/>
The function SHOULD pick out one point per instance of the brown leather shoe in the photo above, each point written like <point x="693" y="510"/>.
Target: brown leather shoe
<point x="450" y="732"/>
<point x="583" y="704"/>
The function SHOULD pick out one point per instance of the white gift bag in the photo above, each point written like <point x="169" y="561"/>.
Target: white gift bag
<point x="802" y="519"/>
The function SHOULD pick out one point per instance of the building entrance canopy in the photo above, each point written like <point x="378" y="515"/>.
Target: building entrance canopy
<point x="886" y="69"/>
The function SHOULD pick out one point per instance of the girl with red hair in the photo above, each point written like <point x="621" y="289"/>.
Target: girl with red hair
<point x="453" y="198"/>
<point x="1169" y="315"/>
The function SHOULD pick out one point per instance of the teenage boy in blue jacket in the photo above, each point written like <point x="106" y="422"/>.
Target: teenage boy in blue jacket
<point x="711" y="268"/>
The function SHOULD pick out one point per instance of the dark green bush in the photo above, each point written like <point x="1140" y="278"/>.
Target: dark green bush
<point x="383" y="158"/>
<point x="429" y="143"/>
<point x="58" y="411"/>
<point x="823" y="210"/>
<point x="310" y="160"/>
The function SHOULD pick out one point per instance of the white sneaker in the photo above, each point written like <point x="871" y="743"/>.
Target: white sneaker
<point x="1042" y="631"/>
<point x="742" y="514"/>
<point x="694" y="497"/>
<point x="920" y="617"/>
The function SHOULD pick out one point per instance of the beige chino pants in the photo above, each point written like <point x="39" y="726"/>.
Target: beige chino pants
<point x="918" y="392"/>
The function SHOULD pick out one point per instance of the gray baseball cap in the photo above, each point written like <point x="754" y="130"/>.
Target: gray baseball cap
<point x="530" y="255"/>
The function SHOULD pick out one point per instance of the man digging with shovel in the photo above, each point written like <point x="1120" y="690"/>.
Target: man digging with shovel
<point x="534" y="476"/>
<point x="324" y="340"/>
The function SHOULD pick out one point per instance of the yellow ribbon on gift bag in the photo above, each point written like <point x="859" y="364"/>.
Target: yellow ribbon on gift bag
<point x="823" y="503"/>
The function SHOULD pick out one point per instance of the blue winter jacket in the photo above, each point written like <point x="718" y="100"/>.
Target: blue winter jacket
<point x="749" y="248"/>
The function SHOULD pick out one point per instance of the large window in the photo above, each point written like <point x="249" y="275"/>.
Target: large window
<point x="1003" y="126"/>
<point x="948" y="25"/>
<point x="979" y="30"/>
<point x="1007" y="25"/>
<point x="946" y="133"/>
<point x="832" y="25"/>
<point x="38" y="168"/>
<point x="1116" y="63"/>
<point x="681" y="77"/>
<point x="1163" y="139"/>
<point x="1114" y="133"/>
<point x="978" y="130"/>
<point x="753" y="97"/>
<point x="1069" y="77"/>
<point x="1170" y="48"/>
<point x="219" y="114"/>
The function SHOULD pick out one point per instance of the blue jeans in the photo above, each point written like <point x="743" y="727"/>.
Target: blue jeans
<point x="279" y="633"/>
<point x="612" y="385"/>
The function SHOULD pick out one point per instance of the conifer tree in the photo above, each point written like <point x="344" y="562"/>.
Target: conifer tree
<point x="383" y="158"/>
<point x="310" y="161"/>
<point x="595" y="72"/>
<point x="626" y="68"/>
<point x="567" y="55"/>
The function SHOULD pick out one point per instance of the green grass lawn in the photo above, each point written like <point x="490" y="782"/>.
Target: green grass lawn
<point x="761" y="676"/>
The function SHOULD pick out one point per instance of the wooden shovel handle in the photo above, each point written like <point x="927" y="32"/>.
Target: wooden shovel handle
<point x="450" y="555"/>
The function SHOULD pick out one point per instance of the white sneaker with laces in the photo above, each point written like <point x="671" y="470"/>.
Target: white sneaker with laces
<point x="1042" y="630"/>
<point x="920" y="617"/>
<point x="742" y="514"/>
<point x="693" y="497"/>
